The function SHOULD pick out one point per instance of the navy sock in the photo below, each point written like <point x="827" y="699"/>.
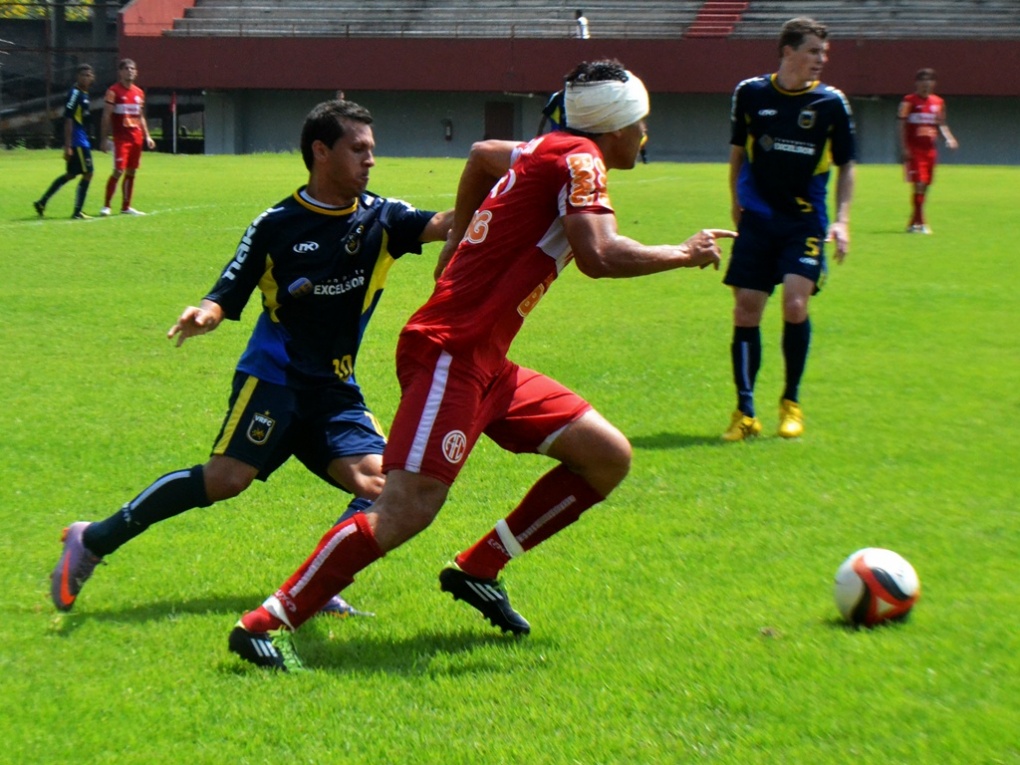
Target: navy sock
<point x="796" y="340"/>
<point x="166" y="497"/>
<point x="745" y="352"/>
<point x="54" y="188"/>
<point x="79" y="195"/>
<point x="357" y="505"/>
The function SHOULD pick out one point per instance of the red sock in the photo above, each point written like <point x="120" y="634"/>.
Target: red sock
<point x="128" y="190"/>
<point x="342" y="552"/>
<point x="555" y="502"/>
<point x="260" y="620"/>
<point x="918" y="209"/>
<point x="111" y="187"/>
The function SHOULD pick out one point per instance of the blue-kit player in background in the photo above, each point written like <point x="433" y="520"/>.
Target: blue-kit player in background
<point x="788" y="129"/>
<point x="77" y="146"/>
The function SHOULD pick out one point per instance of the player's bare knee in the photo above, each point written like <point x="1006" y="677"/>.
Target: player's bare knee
<point x="613" y="462"/>
<point x="405" y="508"/>
<point x="226" y="478"/>
<point x="795" y="310"/>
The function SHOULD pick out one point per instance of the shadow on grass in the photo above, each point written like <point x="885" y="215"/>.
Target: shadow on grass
<point x="675" y="441"/>
<point x="431" y="652"/>
<point x="160" y="610"/>
<point x="343" y="646"/>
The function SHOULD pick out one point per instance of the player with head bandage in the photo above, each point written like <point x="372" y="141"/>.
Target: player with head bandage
<point x="524" y="212"/>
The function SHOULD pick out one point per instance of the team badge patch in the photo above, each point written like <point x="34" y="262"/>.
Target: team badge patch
<point x="259" y="428"/>
<point x="353" y="241"/>
<point x="454" y="446"/>
<point x="806" y="119"/>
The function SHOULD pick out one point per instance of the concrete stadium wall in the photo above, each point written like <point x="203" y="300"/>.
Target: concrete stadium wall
<point x="682" y="127"/>
<point x="258" y="89"/>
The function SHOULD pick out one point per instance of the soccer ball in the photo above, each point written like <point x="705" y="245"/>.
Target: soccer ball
<point x="875" y="585"/>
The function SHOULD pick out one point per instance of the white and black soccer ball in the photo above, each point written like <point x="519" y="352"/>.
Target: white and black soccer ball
<point x="875" y="585"/>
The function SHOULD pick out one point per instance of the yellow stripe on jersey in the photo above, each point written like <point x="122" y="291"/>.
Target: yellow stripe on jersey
<point x="326" y="210"/>
<point x="270" y="289"/>
<point x="825" y="160"/>
<point x="234" y="418"/>
<point x="376" y="424"/>
<point x="379" y="273"/>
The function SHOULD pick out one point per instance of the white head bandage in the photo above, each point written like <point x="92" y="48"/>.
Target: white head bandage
<point x="602" y="107"/>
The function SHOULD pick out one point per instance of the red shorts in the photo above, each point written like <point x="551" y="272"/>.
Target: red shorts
<point x="127" y="154"/>
<point x="920" y="167"/>
<point x="447" y="403"/>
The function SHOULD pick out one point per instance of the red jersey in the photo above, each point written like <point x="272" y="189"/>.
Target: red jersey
<point x="514" y="248"/>
<point x="922" y="116"/>
<point x="128" y="104"/>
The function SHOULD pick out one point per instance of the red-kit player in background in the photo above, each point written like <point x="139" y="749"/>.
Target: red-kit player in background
<point x="124" y="118"/>
<point x="922" y="117"/>
<point x="523" y="213"/>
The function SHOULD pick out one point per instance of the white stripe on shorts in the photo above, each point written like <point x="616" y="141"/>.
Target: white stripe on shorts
<point x="429" y="413"/>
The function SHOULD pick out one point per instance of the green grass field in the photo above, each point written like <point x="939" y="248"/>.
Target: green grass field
<point x="687" y="619"/>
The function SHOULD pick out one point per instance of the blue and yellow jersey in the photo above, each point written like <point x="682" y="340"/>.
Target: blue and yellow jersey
<point x="791" y="139"/>
<point x="321" y="272"/>
<point x="78" y="111"/>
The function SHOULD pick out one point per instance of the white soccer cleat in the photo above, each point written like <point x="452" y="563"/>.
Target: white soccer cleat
<point x="105" y="211"/>
<point x="131" y="211"/>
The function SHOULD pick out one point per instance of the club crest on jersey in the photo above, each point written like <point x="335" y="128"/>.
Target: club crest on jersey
<point x="806" y="119"/>
<point x="454" y="446"/>
<point x="259" y="428"/>
<point x="353" y="241"/>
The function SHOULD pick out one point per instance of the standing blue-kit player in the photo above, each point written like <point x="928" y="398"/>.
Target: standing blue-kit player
<point x="320" y="258"/>
<point x="788" y="129"/>
<point x="77" y="147"/>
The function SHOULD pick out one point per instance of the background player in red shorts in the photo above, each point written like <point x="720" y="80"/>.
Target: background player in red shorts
<point x="523" y="213"/>
<point x="124" y="117"/>
<point x="922" y="117"/>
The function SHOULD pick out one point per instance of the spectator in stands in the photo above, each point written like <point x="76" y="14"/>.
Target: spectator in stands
<point x="582" y="25"/>
<point x="787" y="128"/>
<point x="922" y="117"/>
<point x="77" y="147"/>
<point x="124" y="117"/>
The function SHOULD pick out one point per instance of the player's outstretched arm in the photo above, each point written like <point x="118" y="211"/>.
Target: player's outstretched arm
<point x="601" y="252"/>
<point x="438" y="227"/>
<point x="196" y="321"/>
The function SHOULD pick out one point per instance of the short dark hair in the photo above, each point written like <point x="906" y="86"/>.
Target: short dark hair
<point x="603" y="70"/>
<point x="925" y="74"/>
<point x="795" y="30"/>
<point x="83" y="69"/>
<point x="126" y="62"/>
<point x="326" y="123"/>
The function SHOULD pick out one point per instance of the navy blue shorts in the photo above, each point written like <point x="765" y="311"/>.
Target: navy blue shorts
<point x="80" y="162"/>
<point x="770" y="248"/>
<point x="266" y="424"/>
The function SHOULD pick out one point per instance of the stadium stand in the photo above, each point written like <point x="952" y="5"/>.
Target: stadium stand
<point x="891" y="19"/>
<point x="716" y="18"/>
<point x="647" y="19"/>
<point x="433" y="18"/>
